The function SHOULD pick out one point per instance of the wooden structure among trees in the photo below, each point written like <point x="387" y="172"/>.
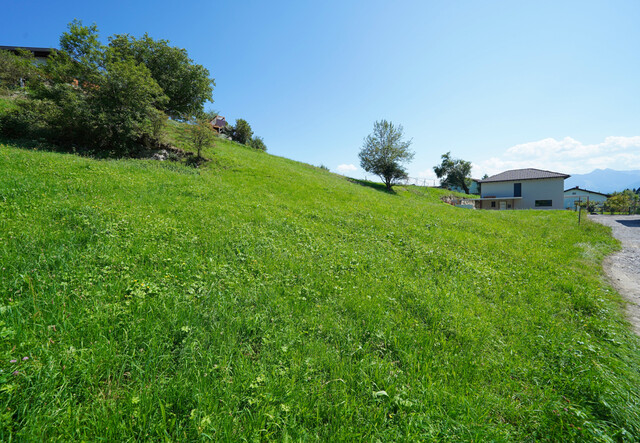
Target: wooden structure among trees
<point x="218" y="123"/>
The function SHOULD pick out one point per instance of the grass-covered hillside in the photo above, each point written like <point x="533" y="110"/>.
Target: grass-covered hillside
<point x="257" y="298"/>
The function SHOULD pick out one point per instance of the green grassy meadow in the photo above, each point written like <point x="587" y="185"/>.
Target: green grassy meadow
<point x="257" y="298"/>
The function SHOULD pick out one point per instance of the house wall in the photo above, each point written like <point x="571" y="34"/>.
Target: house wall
<point x="532" y="190"/>
<point x="573" y="194"/>
<point x="487" y="204"/>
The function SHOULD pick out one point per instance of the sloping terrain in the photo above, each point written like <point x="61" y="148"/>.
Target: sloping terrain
<point x="259" y="298"/>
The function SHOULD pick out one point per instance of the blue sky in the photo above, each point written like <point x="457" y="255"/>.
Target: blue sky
<point x="504" y="84"/>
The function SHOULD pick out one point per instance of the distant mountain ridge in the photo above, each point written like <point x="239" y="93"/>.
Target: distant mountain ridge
<point x="605" y="180"/>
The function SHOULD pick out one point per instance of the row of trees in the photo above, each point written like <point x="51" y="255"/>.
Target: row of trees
<point x="242" y="133"/>
<point x="202" y="135"/>
<point x="385" y="153"/>
<point x="625" y="201"/>
<point x="112" y="98"/>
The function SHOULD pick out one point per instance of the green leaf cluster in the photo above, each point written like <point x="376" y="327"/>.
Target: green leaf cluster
<point x="113" y="99"/>
<point x="15" y="70"/>
<point x="384" y="152"/>
<point x="454" y="172"/>
<point x="242" y="133"/>
<point x="625" y="201"/>
<point x="187" y="85"/>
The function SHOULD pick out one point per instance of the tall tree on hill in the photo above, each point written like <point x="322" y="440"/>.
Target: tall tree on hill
<point x="15" y="70"/>
<point x="186" y="83"/>
<point x="454" y="172"/>
<point x="242" y="131"/>
<point x="96" y="99"/>
<point x="201" y="135"/>
<point x="384" y="151"/>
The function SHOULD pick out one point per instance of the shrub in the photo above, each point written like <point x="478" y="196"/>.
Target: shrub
<point x="258" y="143"/>
<point x="28" y="118"/>
<point x="242" y="131"/>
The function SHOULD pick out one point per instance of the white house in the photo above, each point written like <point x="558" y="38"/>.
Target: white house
<point x="571" y="197"/>
<point x="523" y="189"/>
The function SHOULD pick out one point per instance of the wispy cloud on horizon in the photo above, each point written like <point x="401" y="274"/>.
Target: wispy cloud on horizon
<point x="345" y="169"/>
<point x="567" y="155"/>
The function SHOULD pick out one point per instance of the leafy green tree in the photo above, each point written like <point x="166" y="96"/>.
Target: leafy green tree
<point x="81" y="44"/>
<point x="208" y="115"/>
<point x="258" y="143"/>
<point x="99" y="99"/>
<point x="112" y="98"/>
<point x="16" y="70"/>
<point x="187" y="84"/>
<point x="242" y="132"/>
<point x="619" y="202"/>
<point x="454" y="172"/>
<point x="124" y="105"/>
<point x="201" y="135"/>
<point x="384" y="151"/>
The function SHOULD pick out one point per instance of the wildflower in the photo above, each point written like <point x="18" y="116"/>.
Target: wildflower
<point x="25" y="358"/>
<point x="13" y="361"/>
<point x="16" y="372"/>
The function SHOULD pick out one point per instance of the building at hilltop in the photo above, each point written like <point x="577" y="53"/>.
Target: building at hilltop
<point x="218" y="123"/>
<point x="523" y="189"/>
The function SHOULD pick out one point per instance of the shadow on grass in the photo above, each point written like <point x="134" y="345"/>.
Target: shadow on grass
<point x="140" y="152"/>
<point x="377" y="186"/>
<point x="43" y="145"/>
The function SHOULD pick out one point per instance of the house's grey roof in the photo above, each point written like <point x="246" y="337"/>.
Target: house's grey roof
<point x="523" y="174"/>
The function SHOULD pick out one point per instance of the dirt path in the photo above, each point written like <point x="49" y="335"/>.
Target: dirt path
<point x="623" y="268"/>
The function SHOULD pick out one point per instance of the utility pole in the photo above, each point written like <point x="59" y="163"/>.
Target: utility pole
<point x="579" y="209"/>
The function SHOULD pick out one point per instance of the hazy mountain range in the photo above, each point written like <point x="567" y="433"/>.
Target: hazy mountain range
<point x="605" y="180"/>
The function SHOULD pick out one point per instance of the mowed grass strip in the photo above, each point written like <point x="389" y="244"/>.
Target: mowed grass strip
<point x="258" y="298"/>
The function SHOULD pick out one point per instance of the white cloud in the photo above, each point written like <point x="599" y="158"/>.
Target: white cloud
<point x="427" y="178"/>
<point x="567" y="155"/>
<point x="428" y="174"/>
<point x="345" y="169"/>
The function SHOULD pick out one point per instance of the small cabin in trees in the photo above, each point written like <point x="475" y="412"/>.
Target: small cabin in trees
<point x="218" y="123"/>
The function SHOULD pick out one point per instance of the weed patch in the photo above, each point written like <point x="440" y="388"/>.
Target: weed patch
<point x="258" y="298"/>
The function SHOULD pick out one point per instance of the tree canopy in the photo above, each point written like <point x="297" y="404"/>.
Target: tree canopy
<point x="109" y="98"/>
<point x="16" y="69"/>
<point x="454" y="172"/>
<point x="242" y="131"/>
<point x="624" y="201"/>
<point x="187" y="84"/>
<point x="384" y="152"/>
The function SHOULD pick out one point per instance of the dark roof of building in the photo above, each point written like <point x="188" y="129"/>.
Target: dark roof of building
<point x="37" y="52"/>
<point x="219" y="122"/>
<point x="578" y="188"/>
<point x="523" y="174"/>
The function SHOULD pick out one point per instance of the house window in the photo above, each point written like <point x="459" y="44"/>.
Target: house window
<point x="493" y="204"/>
<point x="543" y="203"/>
<point x="517" y="189"/>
